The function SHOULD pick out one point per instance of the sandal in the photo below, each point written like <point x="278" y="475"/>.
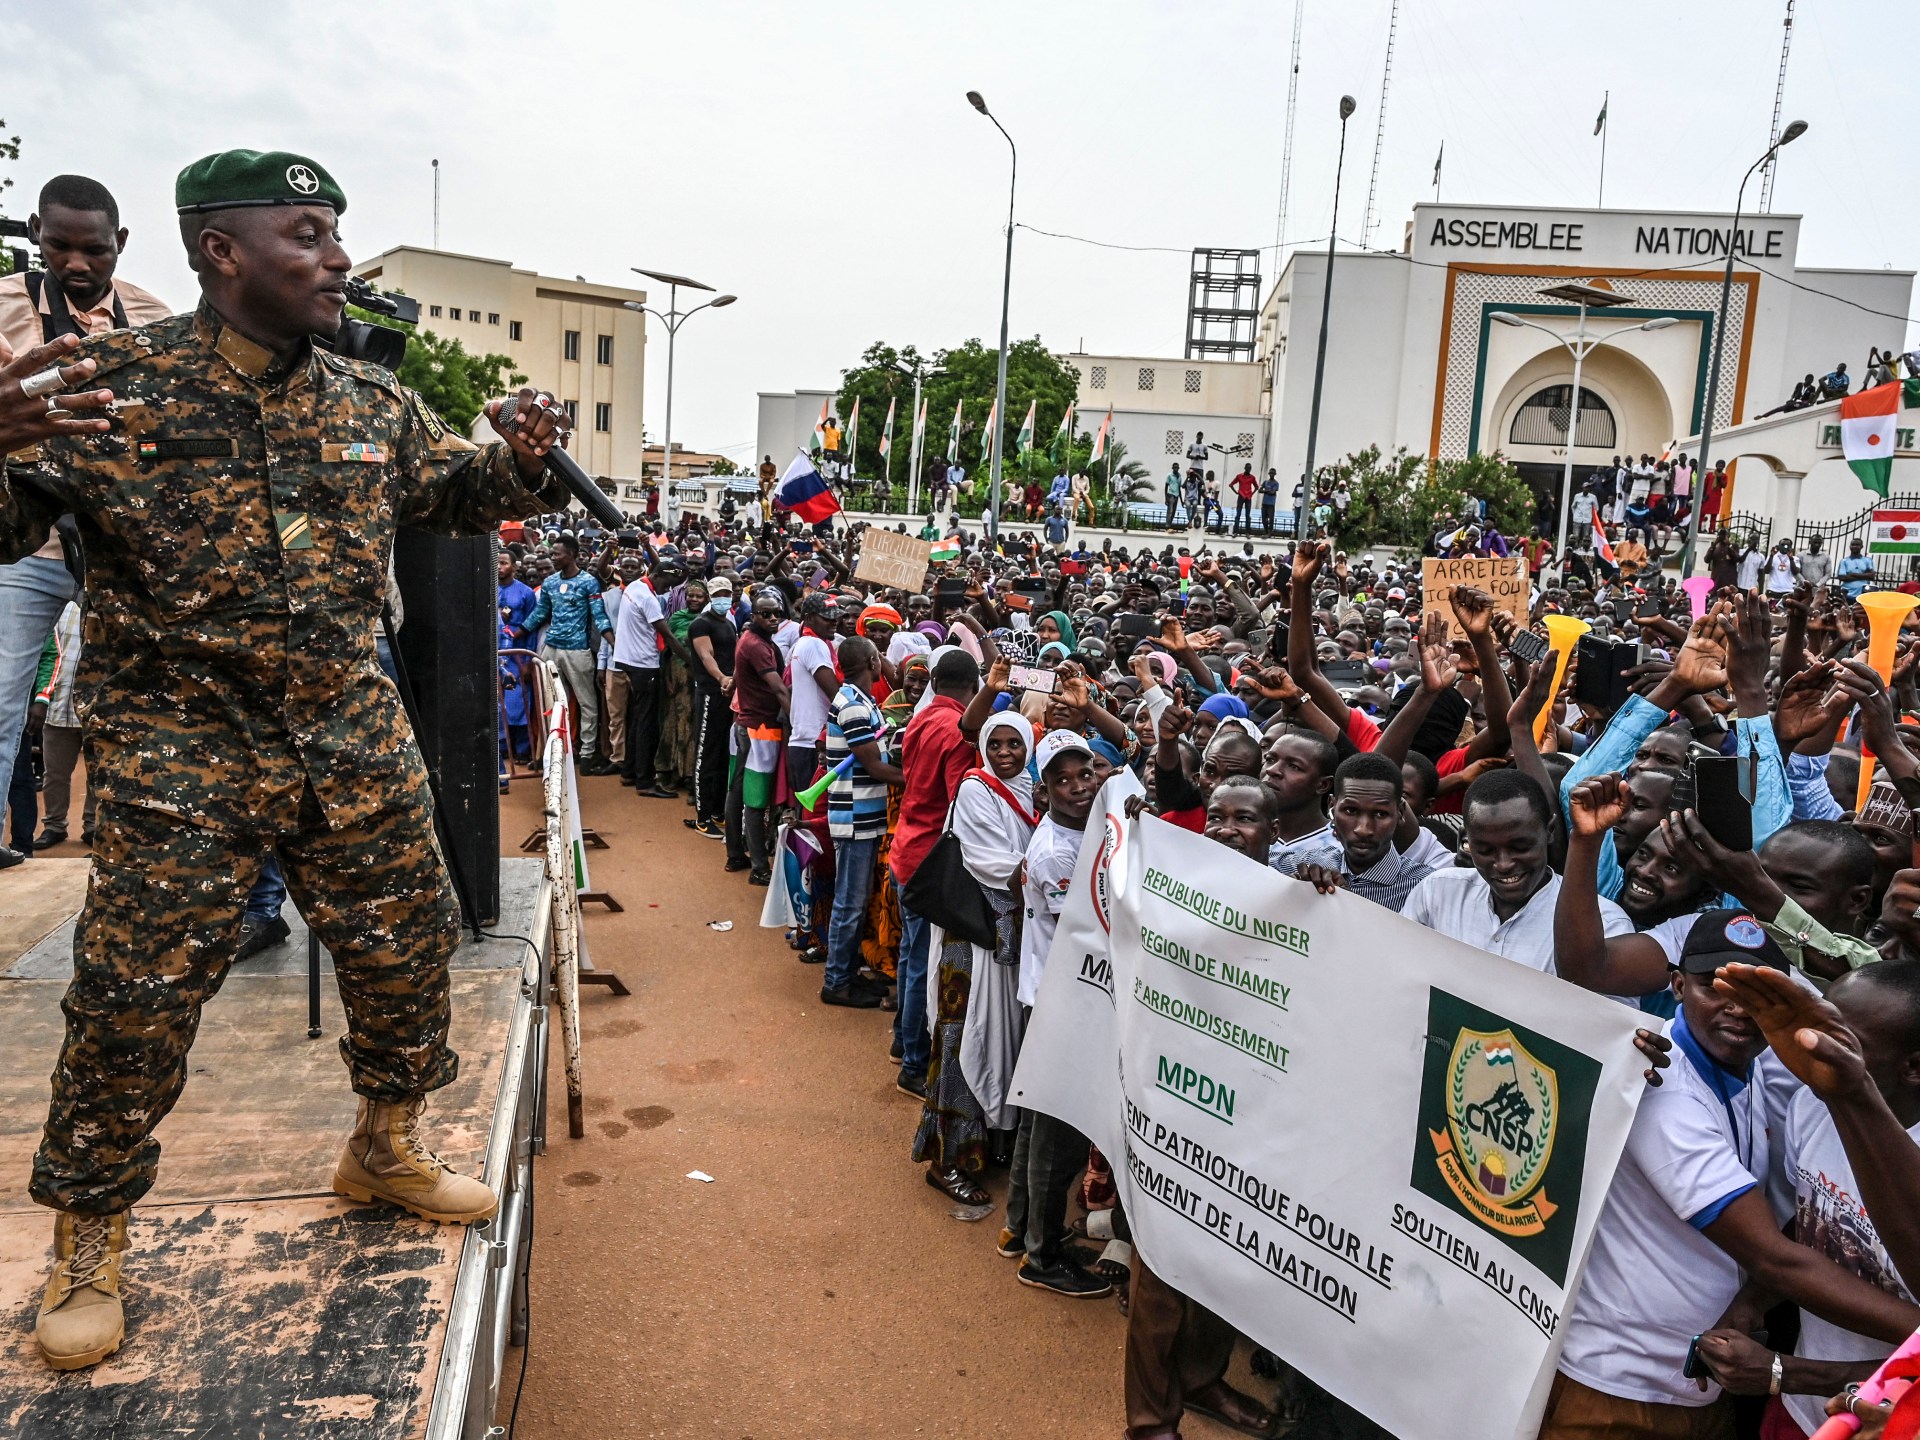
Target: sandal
<point x="1116" y="1264"/>
<point x="957" y="1186"/>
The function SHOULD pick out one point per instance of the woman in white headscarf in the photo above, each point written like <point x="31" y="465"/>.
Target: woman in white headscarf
<point x="972" y="996"/>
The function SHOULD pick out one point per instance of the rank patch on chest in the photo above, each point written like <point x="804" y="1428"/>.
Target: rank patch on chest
<point x="296" y="530"/>
<point x="186" y="447"/>
<point x="361" y="451"/>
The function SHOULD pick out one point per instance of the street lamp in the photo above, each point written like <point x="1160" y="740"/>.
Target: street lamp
<point x="1006" y="293"/>
<point x="1326" y="306"/>
<point x="1581" y="345"/>
<point x="673" y="320"/>
<point x="1792" y="133"/>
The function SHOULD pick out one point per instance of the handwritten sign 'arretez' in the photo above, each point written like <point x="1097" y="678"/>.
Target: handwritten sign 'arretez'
<point x="890" y="559"/>
<point x="1504" y="578"/>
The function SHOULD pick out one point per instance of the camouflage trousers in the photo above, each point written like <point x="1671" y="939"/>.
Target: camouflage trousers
<point x="157" y="935"/>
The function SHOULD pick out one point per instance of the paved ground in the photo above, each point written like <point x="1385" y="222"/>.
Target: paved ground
<point x="818" y="1287"/>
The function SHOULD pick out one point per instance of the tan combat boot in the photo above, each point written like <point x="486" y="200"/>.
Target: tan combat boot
<point x="81" y="1321"/>
<point x="385" y="1160"/>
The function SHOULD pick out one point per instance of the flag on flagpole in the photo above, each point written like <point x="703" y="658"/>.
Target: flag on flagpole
<point x="1436" y="164"/>
<point x="802" y="491"/>
<point x="853" y="437"/>
<point x="1063" y="438"/>
<point x="1100" y="437"/>
<point x="820" y="428"/>
<point x="1868" y="422"/>
<point x="886" y="435"/>
<point x="953" y="436"/>
<point x="920" y="424"/>
<point x="986" y="432"/>
<point x="1601" y="122"/>
<point x="1602" y="546"/>
<point x="1024" y="441"/>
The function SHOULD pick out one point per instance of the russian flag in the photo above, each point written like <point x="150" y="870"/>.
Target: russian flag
<point x="802" y="491"/>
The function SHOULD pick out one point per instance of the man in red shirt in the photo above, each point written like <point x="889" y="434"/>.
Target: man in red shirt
<point x="1244" y="486"/>
<point x="935" y="753"/>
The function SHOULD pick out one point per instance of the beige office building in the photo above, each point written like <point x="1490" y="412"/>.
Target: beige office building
<point x="571" y="337"/>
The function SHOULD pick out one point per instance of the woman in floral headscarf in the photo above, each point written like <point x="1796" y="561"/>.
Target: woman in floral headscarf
<point x="993" y="818"/>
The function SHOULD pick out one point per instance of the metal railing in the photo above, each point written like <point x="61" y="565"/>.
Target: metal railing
<point x="1837" y="535"/>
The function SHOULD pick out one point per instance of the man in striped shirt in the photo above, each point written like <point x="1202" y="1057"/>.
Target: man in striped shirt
<point x="856" y="817"/>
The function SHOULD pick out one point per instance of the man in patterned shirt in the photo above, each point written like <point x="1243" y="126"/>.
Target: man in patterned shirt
<point x="856" y="816"/>
<point x="575" y="618"/>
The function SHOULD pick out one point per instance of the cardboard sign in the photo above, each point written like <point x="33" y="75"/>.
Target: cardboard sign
<point x="899" y="561"/>
<point x="1504" y="579"/>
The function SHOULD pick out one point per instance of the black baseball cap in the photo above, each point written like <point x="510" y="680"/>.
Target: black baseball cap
<point x="1729" y="937"/>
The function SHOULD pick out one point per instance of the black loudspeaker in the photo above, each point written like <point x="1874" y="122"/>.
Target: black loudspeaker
<point x="449" y="642"/>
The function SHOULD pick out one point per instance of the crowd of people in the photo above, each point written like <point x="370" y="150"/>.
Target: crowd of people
<point x="1708" y="816"/>
<point x="1318" y="714"/>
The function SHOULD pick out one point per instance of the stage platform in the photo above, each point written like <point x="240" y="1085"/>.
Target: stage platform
<point x="259" y="1304"/>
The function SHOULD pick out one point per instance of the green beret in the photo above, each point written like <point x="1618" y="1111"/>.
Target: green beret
<point x="255" y="177"/>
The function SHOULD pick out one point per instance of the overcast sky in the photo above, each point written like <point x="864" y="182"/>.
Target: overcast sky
<point x="821" y="161"/>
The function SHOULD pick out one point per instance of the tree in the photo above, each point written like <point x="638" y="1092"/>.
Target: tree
<point x="1404" y="499"/>
<point x="9" y="150"/>
<point x="886" y="372"/>
<point x="724" y="466"/>
<point x="453" y="381"/>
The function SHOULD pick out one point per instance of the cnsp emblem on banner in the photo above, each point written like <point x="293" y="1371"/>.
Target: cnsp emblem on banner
<point x="1502" y="1108"/>
<point x="1503" y="1128"/>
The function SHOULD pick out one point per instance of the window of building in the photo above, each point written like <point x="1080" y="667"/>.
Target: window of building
<point x="493" y="318"/>
<point x="434" y="311"/>
<point x="1545" y="418"/>
<point x="513" y="329"/>
<point x="603" y="349"/>
<point x="1098" y="379"/>
<point x="1176" y="439"/>
<point x="1146" y="377"/>
<point x="572" y="407"/>
<point x="1193" y="382"/>
<point x="570" y="345"/>
<point x="603" y="416"/>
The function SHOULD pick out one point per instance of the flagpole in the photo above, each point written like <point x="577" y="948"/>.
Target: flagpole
<point x="1606" y="97"/>
<point x="889" y="449"/>
<point x="913" y="465"/>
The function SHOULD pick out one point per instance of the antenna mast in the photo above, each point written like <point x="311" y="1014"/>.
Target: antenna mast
<point x="436" y="204"/>
<point x="1380" y="128"/>
<point x="1773" y="130"/>
<point x="1286" y="151"/>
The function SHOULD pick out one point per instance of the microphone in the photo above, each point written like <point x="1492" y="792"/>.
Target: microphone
<point x="563" y="465"/>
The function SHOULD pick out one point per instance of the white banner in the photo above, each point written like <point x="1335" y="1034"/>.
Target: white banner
<point x="1378" y="1152"/>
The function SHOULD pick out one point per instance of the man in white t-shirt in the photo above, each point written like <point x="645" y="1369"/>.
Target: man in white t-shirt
<point x="813" y="682"/>
<point x="1580" y="520"/>
<point x="612" y="679"/>
<point x="638" y="641"/>
<point x="1783" y="571"/>
<point x="1049" y="1152"/>
<point x="1881" y="1006"/>
<point x="1686" y="1225"/>
<point x="1505" y="903"/>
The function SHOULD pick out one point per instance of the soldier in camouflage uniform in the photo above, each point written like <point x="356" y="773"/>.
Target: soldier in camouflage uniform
<point x="238" y="519"/>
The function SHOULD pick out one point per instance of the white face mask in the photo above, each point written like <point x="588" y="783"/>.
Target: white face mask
<point x="720" y="604"/>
